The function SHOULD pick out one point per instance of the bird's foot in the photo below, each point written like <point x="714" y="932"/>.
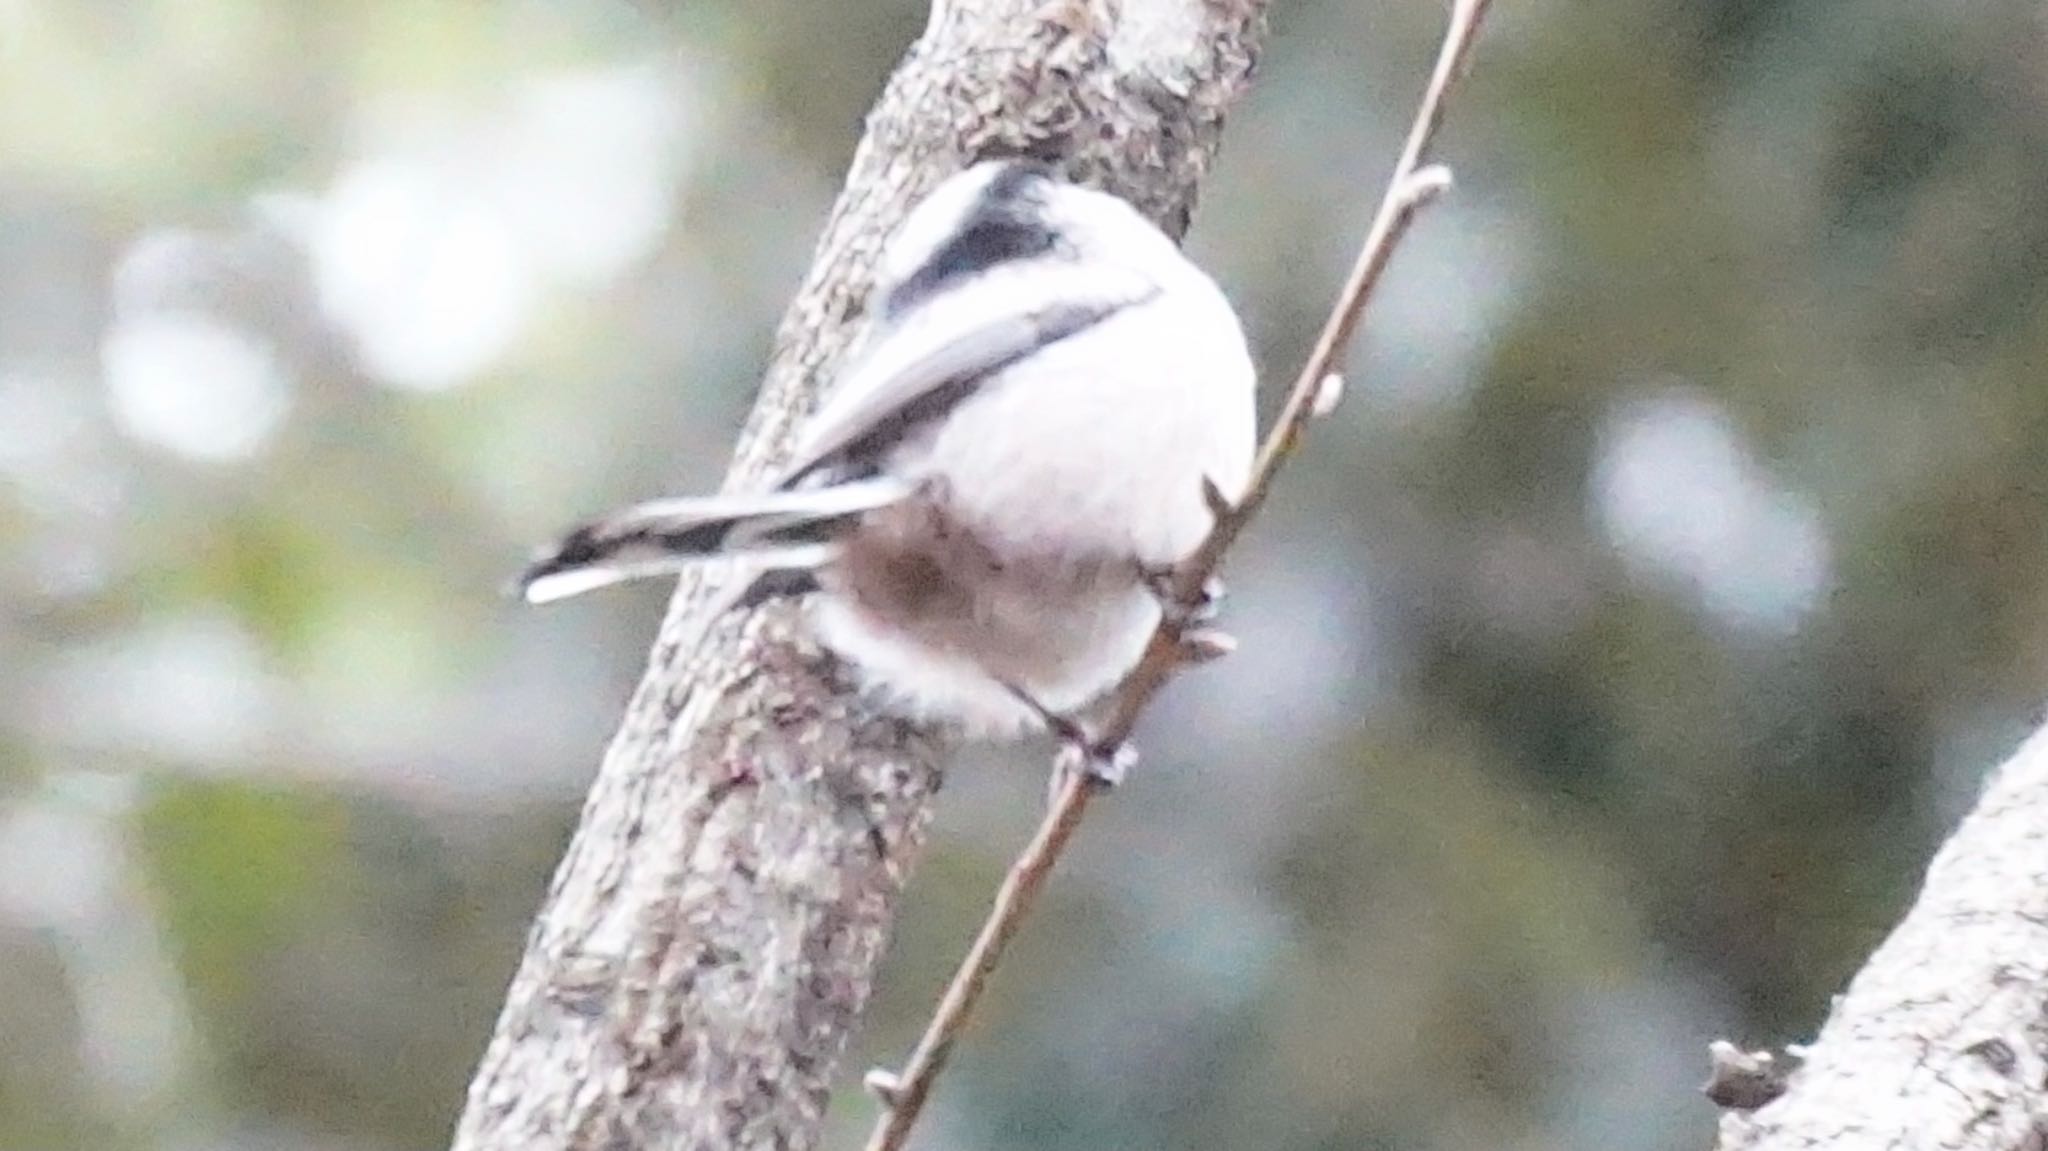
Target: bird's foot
<point x="1101" y="764"/>
<point x="1183" y="614"/>
<point x="1097" y="766"/>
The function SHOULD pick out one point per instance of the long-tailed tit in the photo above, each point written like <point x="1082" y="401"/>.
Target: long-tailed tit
<point x="1023" y="443"/>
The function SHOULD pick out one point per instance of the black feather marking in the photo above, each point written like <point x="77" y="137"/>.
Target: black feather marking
<point x="863" y="456"/>
<point x="1003" y="225"/>
<point x="804" y="532"/>
<point x="580" y="548"/>
<point x="592" y="545"/>
<point x="698" y="540"/>
<point x="778" y="583"/>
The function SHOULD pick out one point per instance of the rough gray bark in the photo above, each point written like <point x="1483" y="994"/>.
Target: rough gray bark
<point x="1941" y="1041"/>
<point x="712" y="932"/>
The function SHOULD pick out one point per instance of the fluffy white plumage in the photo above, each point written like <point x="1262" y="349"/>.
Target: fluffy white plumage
<point x="1024" y="434"/>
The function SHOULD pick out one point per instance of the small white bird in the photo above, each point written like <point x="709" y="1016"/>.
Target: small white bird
<point x="985" y="503"/>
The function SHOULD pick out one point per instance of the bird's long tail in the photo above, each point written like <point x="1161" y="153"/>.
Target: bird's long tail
<point x="777" y="530"/>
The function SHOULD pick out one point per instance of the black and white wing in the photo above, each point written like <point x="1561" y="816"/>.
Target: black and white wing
<point x="925" y="362"/>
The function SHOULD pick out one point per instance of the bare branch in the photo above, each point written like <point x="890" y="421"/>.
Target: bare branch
<point x="1412" y="186"/>
<point x="1942" y="1039"/>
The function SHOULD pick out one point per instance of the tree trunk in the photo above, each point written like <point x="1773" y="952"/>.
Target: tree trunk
<point x="712" y="932"/>
<point x="1941" y="1041"/>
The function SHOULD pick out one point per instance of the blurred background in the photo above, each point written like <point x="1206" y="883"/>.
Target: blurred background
<point x="1612" y="661"/>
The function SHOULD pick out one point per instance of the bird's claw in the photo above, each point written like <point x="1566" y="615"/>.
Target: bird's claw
<point x="1081" y="753"/>
<point x="1099" y="766"/>
<point x="1182" y="614"/>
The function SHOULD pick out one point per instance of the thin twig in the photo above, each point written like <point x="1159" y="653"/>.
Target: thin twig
<point x="903" y="1094"/>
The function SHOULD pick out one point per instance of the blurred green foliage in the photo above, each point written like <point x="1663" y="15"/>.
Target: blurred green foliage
<point x="238" y="869"/>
